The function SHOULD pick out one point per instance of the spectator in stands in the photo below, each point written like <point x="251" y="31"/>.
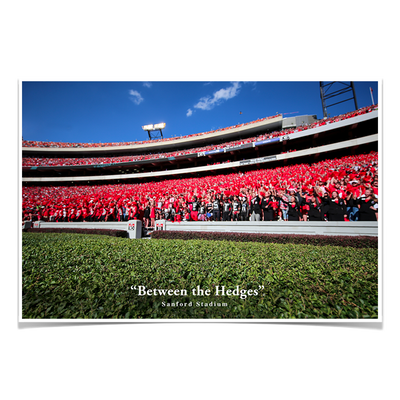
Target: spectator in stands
<point x="283" y="205"/>
<point x="194" y="206"/>
<point x="152" y="214"/>
<point x="367" y="205"/>
<point x="120" y="213"/>
<point x="227" y="209"/>
<point x="314" y="209"/>
<point x="375" y="200"/>
<point x="202" y="211"/>
<point x="78" y="215"/>
<point x="186" y="213"/>
<point x="216" y="208"/>
<point x="110" y="216"/>
<point x="267" y="206"/>
<point x="179" y="213"/>
<point x="209" y="208"/>
<point x="235" y="209"/>
<point x="293" y="209"/>
<point x="351" y="204"/>
<point x="244" y="208"/>
<point x="103" y="211"/>
<point x="55" y="216"/>
<point x="71" y="216"/>
<point x="337" y="207"/>
<point x="255" y="207"/>
<point x="146" y="216"/>
<point x="100" y="213"/>
<point x="63" y="215"/>
<point x="374" y="187"/>
<point x="88" y="211"/>
<point x="173" y="213"/>
<point x="90" y="217"/>
<point x="135" y="210"/>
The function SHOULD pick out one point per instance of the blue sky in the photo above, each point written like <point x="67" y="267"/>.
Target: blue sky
<point x="116" y="111"/>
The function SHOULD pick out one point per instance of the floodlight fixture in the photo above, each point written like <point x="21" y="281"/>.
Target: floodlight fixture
<point x="156" y="127"/>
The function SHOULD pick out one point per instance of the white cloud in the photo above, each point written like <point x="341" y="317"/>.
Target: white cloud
<point x="147" y="84"/>
<point x="207" y="103"/>
<point x="189" y="112"/>
<point x="135" y="96"/>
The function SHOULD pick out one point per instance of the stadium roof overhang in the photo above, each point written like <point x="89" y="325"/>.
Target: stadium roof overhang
<point x="253" y="129"/>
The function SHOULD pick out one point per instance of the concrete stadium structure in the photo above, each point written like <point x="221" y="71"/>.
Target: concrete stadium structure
<point x="253" y="161"/>
<point x="274" y="227"/>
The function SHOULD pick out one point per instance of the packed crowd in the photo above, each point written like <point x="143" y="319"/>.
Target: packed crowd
<point x="34" y="143"/>
<point x="344" y="189"/>
<point x="42" y="161"/>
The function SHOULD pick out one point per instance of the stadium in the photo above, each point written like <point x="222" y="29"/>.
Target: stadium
<point x="291" y="181"/>
<point x="274" y="149"/>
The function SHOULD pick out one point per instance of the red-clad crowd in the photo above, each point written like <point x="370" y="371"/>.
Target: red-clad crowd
<point x="42" y="161"/>
<point x="333" y="189"/>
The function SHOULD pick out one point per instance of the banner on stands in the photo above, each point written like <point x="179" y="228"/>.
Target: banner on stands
<point x="265" y="141"/>
<point x="257" y="160"/>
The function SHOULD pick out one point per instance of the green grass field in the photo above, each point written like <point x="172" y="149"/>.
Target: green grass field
<point x="73" y="276"/>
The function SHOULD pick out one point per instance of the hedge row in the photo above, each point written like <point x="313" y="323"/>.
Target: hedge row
<point x="107" y="232"/>
<point x="72" y="276"/>
<point x="315" y="240"/>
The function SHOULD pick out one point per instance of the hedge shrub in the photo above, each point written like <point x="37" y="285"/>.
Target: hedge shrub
<point x="315" y="240"/>
<point x="108" y="232"/>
